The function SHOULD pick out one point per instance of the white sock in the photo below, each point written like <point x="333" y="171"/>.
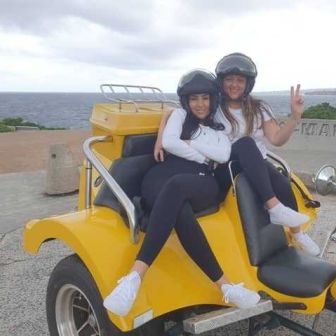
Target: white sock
<point x="276" y="208"/>
<point x="134" y="276"/>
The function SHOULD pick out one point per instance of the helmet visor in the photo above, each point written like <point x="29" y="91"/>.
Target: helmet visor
<point x="236" y="64"/>
<point x="193" y="74"/>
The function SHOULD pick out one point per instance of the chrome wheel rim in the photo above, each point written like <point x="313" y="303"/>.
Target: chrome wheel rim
<point x="74" y="313"/>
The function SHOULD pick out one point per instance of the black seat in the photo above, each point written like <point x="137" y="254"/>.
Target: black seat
<point x="293" y="272"/>
<point x="280" y="267"/>
<point x="128" y="171"/>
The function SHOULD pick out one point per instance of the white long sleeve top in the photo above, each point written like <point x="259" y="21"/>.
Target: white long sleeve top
<point x="207" y="144"/>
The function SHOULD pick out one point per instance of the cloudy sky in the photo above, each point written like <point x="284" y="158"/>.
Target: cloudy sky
<point x="75" y="45"/>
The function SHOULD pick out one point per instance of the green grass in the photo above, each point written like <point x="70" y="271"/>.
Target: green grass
<point x="7" y="124"/>
<point x="4" y="128"/>
<point x="320" y="111"/>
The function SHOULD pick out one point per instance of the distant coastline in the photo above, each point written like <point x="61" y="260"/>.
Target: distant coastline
<point x="311" y="92"/>
<point x="320" y="92"/>
<point x="73" y="111"/>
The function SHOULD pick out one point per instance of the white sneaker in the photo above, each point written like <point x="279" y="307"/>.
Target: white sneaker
<point x="121" y="299"/>
<point x="306" y="244"/>
<point x="240" y="296"/>
<point x="282" y="215"/>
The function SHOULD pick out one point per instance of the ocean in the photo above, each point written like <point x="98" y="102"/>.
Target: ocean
<point x="73" y="110"/>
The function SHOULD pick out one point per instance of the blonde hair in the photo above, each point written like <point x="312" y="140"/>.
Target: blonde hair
<point x="253" y="111"/>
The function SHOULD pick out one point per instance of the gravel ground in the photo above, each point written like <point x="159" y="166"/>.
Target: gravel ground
<point x="23" y="282"/>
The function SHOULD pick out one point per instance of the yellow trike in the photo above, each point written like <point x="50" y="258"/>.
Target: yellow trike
<point x="104" y="235"/>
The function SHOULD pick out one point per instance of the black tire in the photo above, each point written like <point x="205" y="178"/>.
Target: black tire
<point x="71" y="289"/>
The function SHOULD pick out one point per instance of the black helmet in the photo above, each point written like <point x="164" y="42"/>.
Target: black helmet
<point x="237" y="64"/>
<point x="197" y="81"/>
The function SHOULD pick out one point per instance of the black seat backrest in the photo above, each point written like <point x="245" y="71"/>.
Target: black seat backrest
<point x="128" y="171"/>
<point x="262" y="238"/>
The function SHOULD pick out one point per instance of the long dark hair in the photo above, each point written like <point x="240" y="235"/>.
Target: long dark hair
<point x="253" y="110"/>
<point x="190" y="128"/>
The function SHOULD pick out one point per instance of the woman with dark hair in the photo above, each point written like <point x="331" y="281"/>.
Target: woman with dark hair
<point x="248" y="123"/>
<point x="184" y="183"/>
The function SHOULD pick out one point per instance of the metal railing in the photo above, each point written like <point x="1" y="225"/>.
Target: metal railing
<point x="92" y="160"/>
<point x="143" y="94"/>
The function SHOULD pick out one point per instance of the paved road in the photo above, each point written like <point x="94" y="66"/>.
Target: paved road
<point x="22" y="197"/>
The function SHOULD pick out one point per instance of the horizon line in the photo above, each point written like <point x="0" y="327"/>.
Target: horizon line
<point x="80" y="92"/>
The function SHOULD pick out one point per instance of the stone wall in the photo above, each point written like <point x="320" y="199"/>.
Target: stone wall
<point x="313" y="134"/>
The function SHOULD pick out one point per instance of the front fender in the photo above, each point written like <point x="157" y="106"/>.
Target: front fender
<point x="102" y="241"/>
<point x="95" y="236"/>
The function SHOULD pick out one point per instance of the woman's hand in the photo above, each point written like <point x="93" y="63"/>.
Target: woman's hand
<point x="158" y="150"/>
<point x="297" y="103"/>
<point x="278" y="136"/>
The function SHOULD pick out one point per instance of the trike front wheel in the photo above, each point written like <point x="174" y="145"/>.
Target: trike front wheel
<point x="74" y="304"/>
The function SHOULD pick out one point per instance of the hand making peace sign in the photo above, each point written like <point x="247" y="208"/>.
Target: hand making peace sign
<point x="297" y="102"/>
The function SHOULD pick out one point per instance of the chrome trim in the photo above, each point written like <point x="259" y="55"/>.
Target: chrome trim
<point x="279" y="160"/>
<point x="111" y="183"/>
<point x="159" y="96"/>
<point x="232" y="178"/>
<point x="88" y="187"/>
<point x="66" y="311"/>
<point x="330" y="181"/>
<point x="331" y="238"/>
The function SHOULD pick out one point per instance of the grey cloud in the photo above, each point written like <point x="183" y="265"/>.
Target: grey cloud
<point x="135" y="38"/>
<point x="41" y="16"/>
<point x="154" y="51"/>
<point x="198" y="12"/>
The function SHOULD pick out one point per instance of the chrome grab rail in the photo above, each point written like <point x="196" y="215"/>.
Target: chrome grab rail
<point x="232" y="177"/>
<point x="279" y="160"/>
<point x="92" y="160"/>
<point x="331" y="238"/>
<point x="159" y="96"/>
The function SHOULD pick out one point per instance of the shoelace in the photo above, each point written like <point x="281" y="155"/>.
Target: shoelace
<point x="233" y="287"/>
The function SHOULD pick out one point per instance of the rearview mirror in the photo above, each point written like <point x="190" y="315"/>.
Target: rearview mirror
<point x="325" y="180"/>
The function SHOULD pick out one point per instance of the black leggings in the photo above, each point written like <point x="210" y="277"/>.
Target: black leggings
<point x="264" y="178"/>
<point x="173" y="190"/>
